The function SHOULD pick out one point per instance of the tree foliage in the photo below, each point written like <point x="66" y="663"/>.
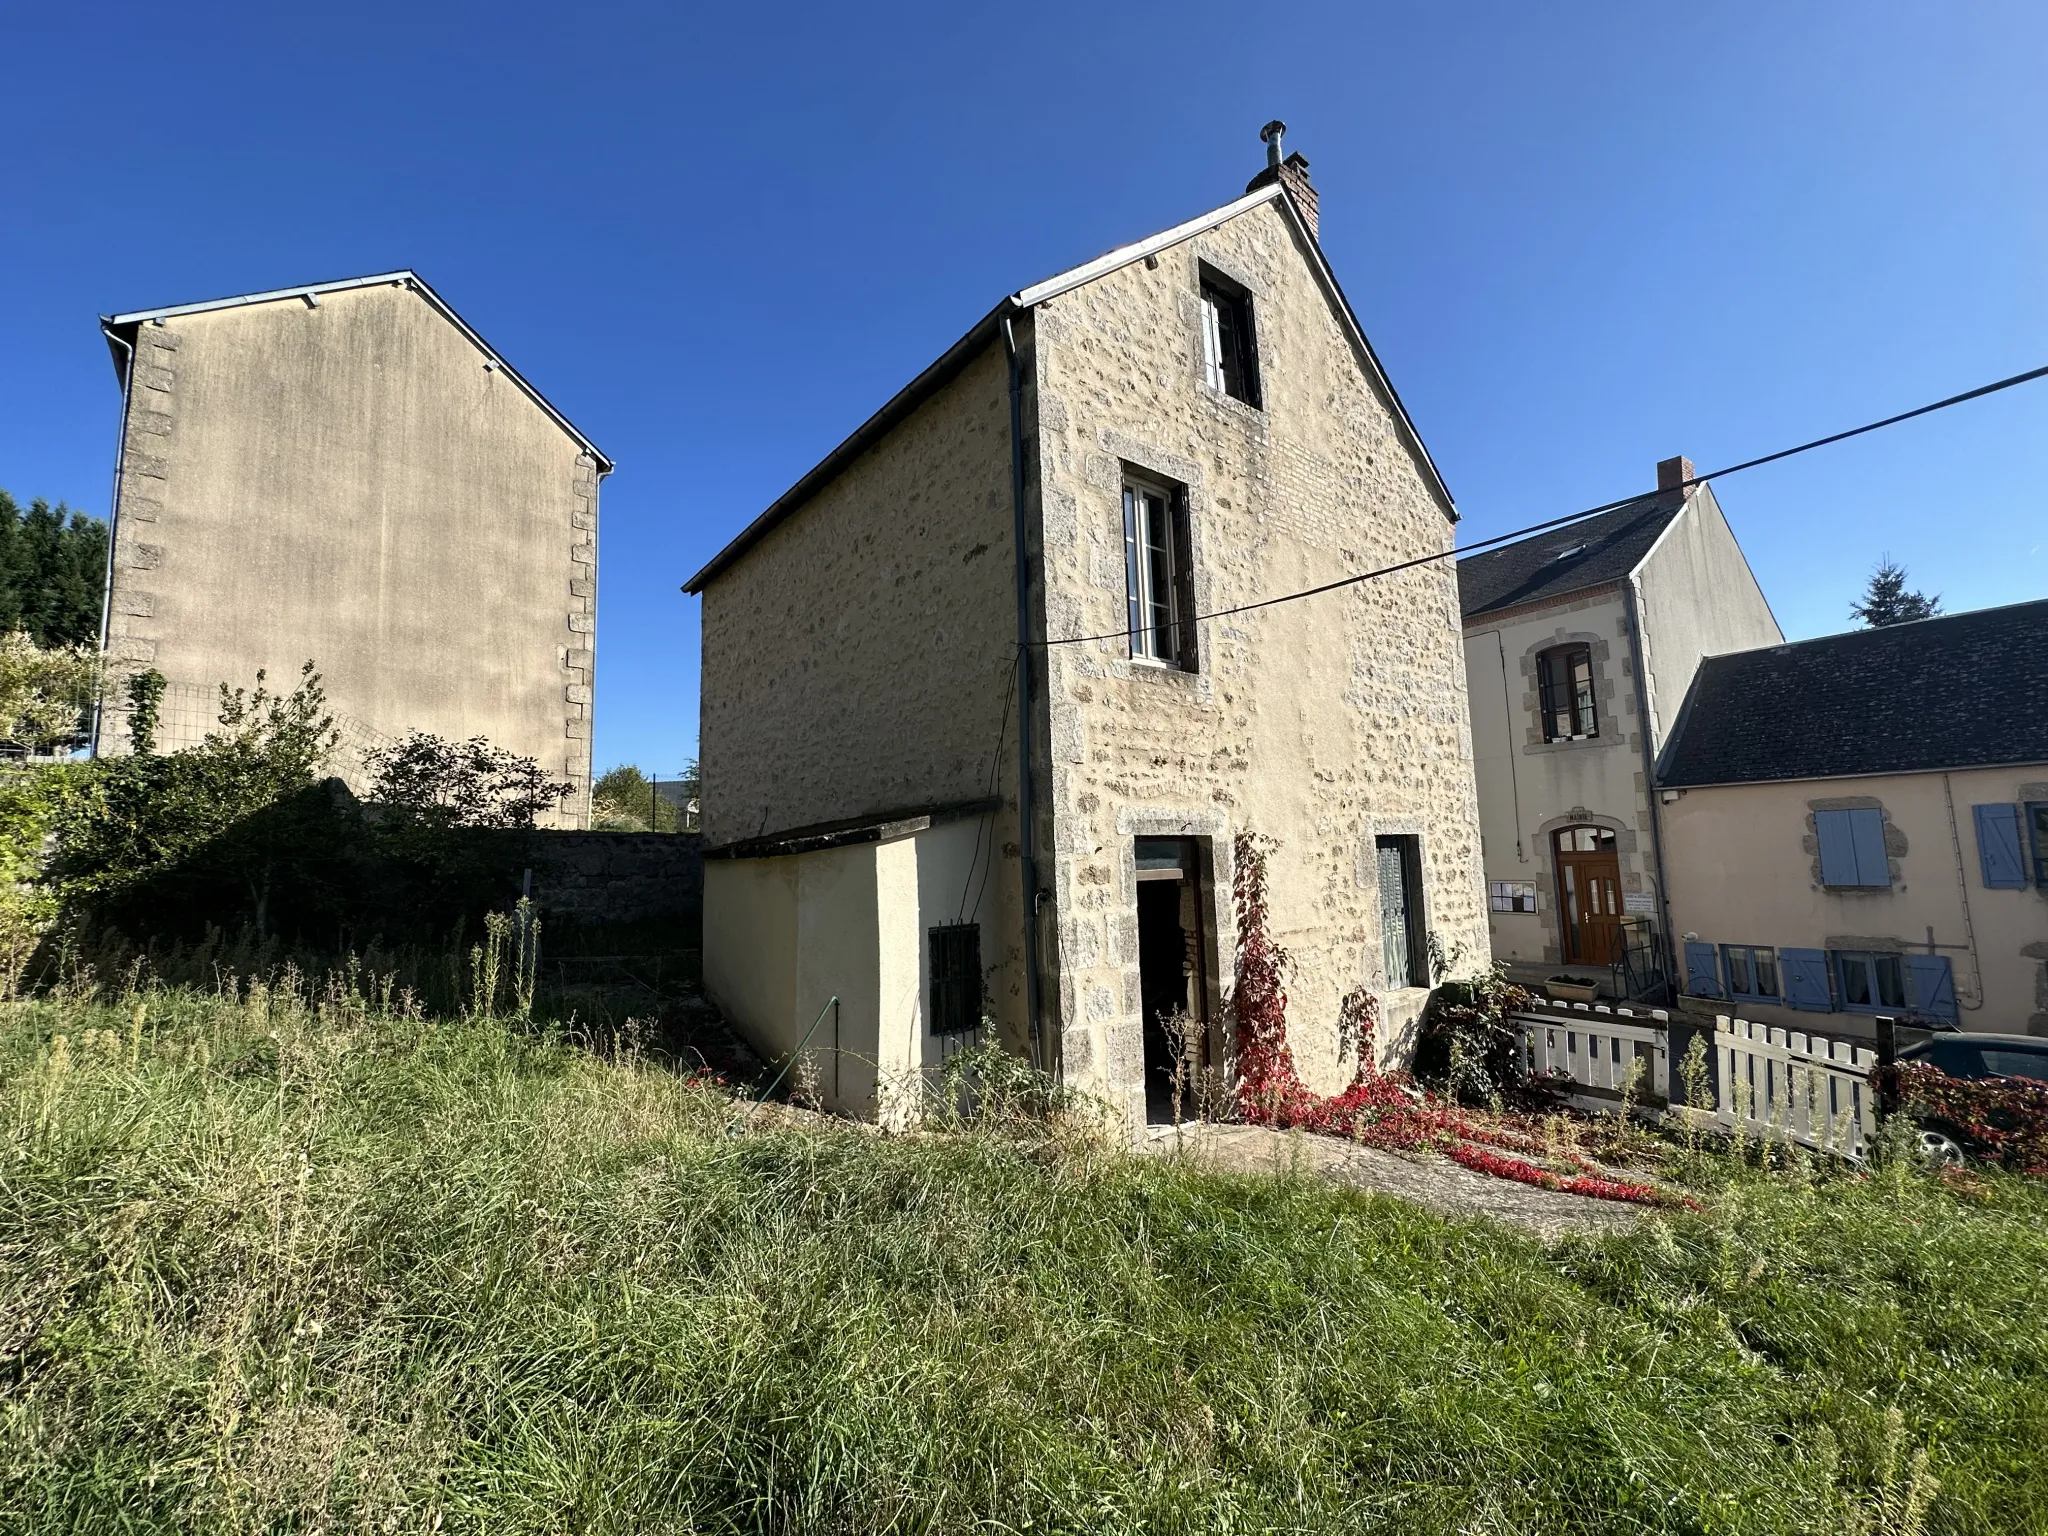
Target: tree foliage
<point x="146" y="820"/>
<point x="431" y="780"/>
<point x="1886" y="600"/>
<point x="625" y="800"/>
<point x="53" y="570"/>
<point x="45" y="694"/>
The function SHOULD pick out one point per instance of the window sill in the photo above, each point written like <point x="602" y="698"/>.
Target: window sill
<point x="1163" y="672"/>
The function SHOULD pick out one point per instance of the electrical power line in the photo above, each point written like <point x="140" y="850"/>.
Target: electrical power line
<point x="1575" y="517"/>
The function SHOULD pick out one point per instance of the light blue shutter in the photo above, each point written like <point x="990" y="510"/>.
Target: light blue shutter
<point x="1934" y="986"/>
<point x="1998" y="847"/>
<point x="1702" y="973"/>
<point x="1866" y="828"/>
<point x="1805" y="975"/>
<point x="1837" y="848"/>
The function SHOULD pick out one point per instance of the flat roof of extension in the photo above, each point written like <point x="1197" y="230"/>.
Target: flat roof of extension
<point x="404" y="278"/>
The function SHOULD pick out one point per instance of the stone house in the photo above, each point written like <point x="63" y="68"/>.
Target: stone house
<point x="348" y="473"/>
<point x="1858" y="826"/>
<point x="1023" y="582"/>
<point x="1580" y="644"/>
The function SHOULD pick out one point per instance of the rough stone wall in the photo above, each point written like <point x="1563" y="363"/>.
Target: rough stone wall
<point x="619" y="877"/>
<point x="348" y="483"/>
<point x="1321" y="723"/>
<point x="856" y="660"/>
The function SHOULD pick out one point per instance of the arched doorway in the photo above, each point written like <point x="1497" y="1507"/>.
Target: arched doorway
<point x="1588" y="894"/>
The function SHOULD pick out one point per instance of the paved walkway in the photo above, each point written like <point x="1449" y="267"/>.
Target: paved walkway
<point x="1423" y="1179"/>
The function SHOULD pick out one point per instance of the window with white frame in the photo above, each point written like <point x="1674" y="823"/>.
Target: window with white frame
<point x="1752" y="971"/>
<point x="1230" y="354"/>
<point x="1158" y="586"/>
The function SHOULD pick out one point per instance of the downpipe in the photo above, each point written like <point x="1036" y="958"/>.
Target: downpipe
<point x="1026" y="840"/>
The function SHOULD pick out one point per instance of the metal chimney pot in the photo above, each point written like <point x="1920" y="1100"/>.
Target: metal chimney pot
<point x="1271" y="135"/>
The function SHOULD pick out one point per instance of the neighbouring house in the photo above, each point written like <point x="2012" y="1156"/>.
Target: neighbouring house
<point x="1580" y="644"/>
<point x="1031" y="536"/>
<point x="347" y="473"/>
<point x="1858" y="826"/>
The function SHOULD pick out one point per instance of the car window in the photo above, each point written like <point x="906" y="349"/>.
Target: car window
<point x="2015" y="1063"/>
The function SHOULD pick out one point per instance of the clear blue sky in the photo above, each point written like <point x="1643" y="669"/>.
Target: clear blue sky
<point x="1582" y="238"/>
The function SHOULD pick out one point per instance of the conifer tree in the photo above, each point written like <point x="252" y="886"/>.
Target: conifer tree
<point x="1887" y="601"/>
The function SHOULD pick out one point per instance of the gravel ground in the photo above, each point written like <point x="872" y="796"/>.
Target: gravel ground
<point x="1423" y="1179"/>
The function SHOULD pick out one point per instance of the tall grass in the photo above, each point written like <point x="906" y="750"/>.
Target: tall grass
<point x="274" y="1264"/>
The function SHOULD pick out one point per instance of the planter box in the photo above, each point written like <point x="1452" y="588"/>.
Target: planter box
<point x="1571" y="992"/>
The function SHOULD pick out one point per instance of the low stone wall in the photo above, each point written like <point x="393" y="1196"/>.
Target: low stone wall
<point x="619" y="877"/>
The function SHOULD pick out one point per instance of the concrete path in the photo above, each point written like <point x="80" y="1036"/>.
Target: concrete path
<point x="1423" y="1179"/>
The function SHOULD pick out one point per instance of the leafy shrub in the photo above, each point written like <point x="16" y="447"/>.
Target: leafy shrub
<point x="430" y="781"/>
<point x="1468" y="1043"/>
<point x="45" y="694"/>
<point x="2007" y="1117"/>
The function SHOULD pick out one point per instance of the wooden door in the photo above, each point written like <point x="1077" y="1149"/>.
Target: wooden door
<point x="1589" y="895"/>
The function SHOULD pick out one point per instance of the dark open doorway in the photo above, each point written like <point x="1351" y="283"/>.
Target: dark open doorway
<point x="1172" y="957"/>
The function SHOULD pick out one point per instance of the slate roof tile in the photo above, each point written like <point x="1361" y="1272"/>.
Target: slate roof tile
<point x="1967" y="690"/>
<point x="1600" y="550"/>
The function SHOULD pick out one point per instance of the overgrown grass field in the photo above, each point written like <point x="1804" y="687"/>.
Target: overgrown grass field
<point x="273" y="1265"/>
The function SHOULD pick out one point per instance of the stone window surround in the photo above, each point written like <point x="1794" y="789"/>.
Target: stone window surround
<point x="1373" y="959"/>
<point x="1606" y="703"/>
<point x="1627" y="854"/>
<point x="1255" y="294"/>
<point x="1895" y="849"/>
<point x="1131" y="456"/>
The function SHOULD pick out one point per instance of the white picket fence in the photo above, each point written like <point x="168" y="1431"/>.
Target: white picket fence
<point x="1786" y="1083"/>
<point x="1596" y="1045"/>
<point x="1778" y="1083"/>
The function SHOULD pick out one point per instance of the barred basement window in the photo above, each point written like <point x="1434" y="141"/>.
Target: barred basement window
<point x="1511" y="896"/>
<point x="956" y="978"/>
<point x="1564" y="683"/>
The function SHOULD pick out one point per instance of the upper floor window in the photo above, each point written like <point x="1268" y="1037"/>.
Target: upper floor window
<point x="1158" y="580"/>
<point x="1852" y="847"/>
<point x="1564" y="684"/>
<point x="1230" y="355"/>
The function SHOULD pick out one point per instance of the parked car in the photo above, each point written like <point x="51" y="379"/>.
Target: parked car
<point x="1972" y="1057"/>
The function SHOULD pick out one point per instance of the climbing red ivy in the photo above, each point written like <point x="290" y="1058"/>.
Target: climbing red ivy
<point x="1378" y="1109"/>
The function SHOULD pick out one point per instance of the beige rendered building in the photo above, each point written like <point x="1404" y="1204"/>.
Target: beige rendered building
<point x="1858" y="827"/>
<point x="1107" y="467"/>
<point x="1580" y="645"/>
<point x="347" y="473"/>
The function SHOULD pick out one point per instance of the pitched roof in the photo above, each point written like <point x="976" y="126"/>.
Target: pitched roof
<point x="1968" y="690"/>
<point x="955" y="359"/>
<point x="309" y="293"/>
<point x="1600" y="550"/>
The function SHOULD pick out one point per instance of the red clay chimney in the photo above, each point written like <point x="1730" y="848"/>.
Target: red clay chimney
<point x="1672" y="473"/>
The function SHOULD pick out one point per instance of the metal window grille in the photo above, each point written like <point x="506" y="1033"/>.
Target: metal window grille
<point x="956" y="978"/>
